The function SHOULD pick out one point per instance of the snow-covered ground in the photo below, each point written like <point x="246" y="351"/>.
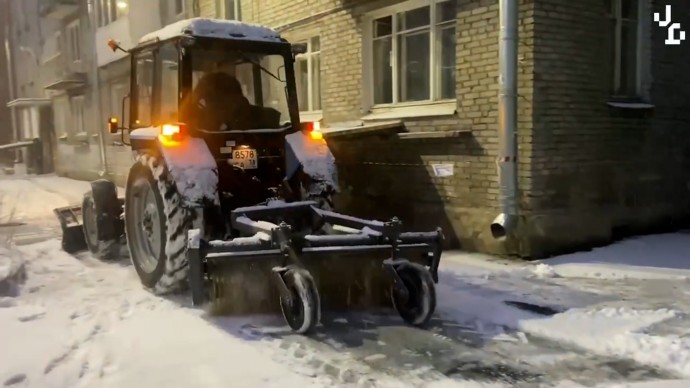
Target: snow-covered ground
<point x="615" y="316"/>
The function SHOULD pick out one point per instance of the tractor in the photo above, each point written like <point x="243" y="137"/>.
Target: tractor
<point x="230" y="197"/>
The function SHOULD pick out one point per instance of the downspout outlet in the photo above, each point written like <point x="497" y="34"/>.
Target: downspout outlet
<point x="502" y="225"/>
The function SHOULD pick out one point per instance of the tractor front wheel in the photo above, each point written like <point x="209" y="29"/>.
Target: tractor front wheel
<point x="303" y="312"/>
<point x="419" y="305"/>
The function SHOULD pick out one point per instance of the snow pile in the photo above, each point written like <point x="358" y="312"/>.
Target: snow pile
<point x="617" y="332"/>
<point x="213" y="28"/>
<point x="482" y="297"/>
<point x="544" y="271"/>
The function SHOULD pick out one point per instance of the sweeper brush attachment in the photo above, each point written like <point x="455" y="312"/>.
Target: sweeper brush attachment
<point x="288" y="263"/>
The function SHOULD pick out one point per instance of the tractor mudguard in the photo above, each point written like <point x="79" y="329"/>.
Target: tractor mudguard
<point x="314" y="157"/>
<point x="190" y="163"/>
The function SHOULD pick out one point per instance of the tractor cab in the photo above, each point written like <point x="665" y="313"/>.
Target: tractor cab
<point x="231" y="84"/>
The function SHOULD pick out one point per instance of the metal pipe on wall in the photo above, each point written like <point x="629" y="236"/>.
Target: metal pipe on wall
<point x="96" y="90"/>
<point x="506" y="160"/>
<point x="10" y="78"/>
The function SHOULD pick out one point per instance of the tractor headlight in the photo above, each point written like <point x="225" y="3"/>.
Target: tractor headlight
<point x="172" y="133"/>
<point x="313" y="129"/>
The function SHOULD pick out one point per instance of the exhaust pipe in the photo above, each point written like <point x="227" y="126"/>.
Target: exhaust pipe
<point x="506" y="161"/>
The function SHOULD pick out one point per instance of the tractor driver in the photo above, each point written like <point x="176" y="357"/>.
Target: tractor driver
<point x="218" y="104"/>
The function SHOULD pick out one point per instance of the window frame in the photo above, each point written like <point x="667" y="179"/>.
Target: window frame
<point x="223" y="5"/>
<point x="73" y="32"/>
<point x="615" y="15"/>
<point x="309" y="58"/>
<point x="182" y="7"/>
<point x="75" y="101"/>
<point x="107" y="12"/>
<point x="134" y="121"/>
<point x="158" y="83"/>
<point x="432" y="107"/>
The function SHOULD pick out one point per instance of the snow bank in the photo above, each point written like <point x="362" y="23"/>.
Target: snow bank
<point x="29" y="198"/>
<point x="213" y="28"/>
<point x="617" y="332"/>
<point x="662" y="256"/>
<point x="467" y="294"/>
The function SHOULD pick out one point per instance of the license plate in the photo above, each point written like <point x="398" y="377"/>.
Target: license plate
<point x="245" y="158"/>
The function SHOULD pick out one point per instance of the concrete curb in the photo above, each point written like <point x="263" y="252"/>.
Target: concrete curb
<point x="12" y="272"/>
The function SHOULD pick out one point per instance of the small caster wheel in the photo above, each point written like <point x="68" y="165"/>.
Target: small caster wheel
<point x="304" y="312"/>
<point x="420" y="303"/>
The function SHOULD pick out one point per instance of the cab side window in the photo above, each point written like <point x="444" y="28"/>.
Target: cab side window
<point x="169" y="84"/>
<point x="143" y="89"/>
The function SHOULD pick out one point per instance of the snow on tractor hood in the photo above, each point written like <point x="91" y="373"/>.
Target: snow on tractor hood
<point x="315" y="157"/>
<point x="213" y="28"/>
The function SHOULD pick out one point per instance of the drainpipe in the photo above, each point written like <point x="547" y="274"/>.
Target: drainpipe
<point x="506" y="161"/>
<point x="12" y="87"/>
<point x="96" y="89"/>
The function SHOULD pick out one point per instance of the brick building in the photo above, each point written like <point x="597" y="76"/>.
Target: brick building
<point x="602" y="110"/>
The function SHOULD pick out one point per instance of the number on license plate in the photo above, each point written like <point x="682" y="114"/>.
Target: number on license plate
<point x="244" y="158"/>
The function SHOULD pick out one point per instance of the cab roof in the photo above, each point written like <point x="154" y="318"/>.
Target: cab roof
<point x="214" y="28"/>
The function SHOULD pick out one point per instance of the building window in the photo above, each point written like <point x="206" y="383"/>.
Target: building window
<point x="74" y="39"/>
<point x="178" y="7"/>
<point x="308" y="77"/>
<point x="77" y="106"/>
<point x="111" y="10"/>
<point x="413" y="52"/>
<point x="624" y="23"/>
<point x="60" y="42"/>
<point x="229" y="9"/>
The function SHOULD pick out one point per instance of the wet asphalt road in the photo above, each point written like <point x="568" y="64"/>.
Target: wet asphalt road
<point x="350" y="346"/>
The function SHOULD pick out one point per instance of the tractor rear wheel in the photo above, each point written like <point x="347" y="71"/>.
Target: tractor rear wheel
<point x="156" y="224"/>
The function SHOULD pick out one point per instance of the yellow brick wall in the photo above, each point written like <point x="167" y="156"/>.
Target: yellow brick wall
<point x="387" y="177"/>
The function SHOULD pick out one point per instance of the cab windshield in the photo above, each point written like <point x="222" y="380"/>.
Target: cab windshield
<point x="233" y="90"/>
